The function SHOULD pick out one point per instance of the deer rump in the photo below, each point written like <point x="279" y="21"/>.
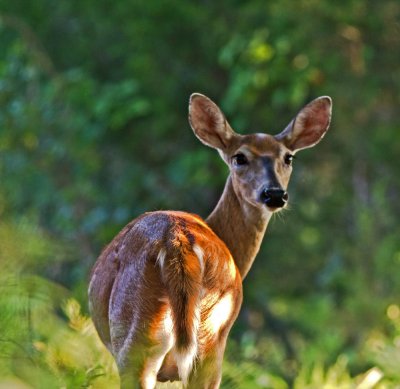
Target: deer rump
<point x="163" y="295"/>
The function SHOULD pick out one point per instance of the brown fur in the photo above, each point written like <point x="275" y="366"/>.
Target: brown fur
<point x="166" y="291"/>
<point x="134" y="286"/>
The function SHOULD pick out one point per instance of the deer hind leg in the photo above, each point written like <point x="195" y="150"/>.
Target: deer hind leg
<point x="145" y="357"/>
<point x="144" y="364"/>
<point x="208" y="371"/>
<point x="216" y="324"/>
<point x="142" y="348"/>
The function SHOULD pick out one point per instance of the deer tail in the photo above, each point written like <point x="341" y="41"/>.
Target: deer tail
<point x="182" y="272"/>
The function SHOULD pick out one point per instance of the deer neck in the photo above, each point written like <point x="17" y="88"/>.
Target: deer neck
<point x="240" y="225"/>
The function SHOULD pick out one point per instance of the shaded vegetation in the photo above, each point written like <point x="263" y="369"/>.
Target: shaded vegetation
<point x="93" y="132"/>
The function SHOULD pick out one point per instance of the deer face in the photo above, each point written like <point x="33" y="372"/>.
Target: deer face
<point x="260" y="169"/>
<point x="260" y="164"/>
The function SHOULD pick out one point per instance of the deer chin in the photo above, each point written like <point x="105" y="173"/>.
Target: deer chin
<point x="275" y="209"/>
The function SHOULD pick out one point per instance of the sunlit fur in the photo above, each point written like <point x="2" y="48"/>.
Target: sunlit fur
<point x="166" y="291"/>
<point x="220" y="313"/>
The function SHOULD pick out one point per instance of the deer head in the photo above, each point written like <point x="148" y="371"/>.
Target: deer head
<point x="260" y="164"/>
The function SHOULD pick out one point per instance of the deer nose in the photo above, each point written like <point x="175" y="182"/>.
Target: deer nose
<point x="274" y="198"/>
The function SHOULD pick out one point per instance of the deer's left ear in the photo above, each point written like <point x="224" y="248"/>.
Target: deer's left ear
<point x="209" y="123"/>
<point x="309" y="126"/>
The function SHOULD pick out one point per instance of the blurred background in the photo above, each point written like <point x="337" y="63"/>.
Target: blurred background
<point x="94" y="131"/>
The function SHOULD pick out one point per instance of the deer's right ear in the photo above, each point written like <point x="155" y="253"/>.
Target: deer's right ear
<point x="309" y="126"/>
<point x="209" y="123"/>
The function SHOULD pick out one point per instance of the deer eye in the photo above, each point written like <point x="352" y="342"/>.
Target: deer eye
<point x="240" y="159"/>
<point x="289" y="159"/>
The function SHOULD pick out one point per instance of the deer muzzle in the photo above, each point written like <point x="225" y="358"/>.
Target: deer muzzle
<point x="274" y="198"/>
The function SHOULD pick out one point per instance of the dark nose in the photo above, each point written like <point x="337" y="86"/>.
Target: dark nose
<point x="274" y="198"/>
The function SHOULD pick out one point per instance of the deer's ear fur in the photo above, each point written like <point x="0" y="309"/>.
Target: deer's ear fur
<point x="209" y="123"/>
<point x="309" y="126"/>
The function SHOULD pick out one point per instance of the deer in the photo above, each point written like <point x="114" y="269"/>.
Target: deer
<point x="164" y="294"/>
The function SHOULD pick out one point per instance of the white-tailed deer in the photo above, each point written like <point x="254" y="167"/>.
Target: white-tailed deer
<point x="166" y="291"/>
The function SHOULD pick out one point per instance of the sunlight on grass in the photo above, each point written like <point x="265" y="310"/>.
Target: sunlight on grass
<point x="47" y="342"/>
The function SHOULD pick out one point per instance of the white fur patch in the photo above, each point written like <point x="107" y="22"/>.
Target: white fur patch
<point x="166" y="330"/>
<point x="149" y="375"/>
<point x="185" y="359"/>
<point x="220" y="313"/>
<point x="231" y="267"/>
<point x="149" y="380"/>
<point x="161" y="257"/>
<point x="154" y="363"/>
<point x="200" y="255"/>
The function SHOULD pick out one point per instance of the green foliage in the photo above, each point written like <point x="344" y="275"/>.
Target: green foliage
<point x="40" y="345"/>
<point x="93" y="132"/>
<point x="337" y="376"/>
